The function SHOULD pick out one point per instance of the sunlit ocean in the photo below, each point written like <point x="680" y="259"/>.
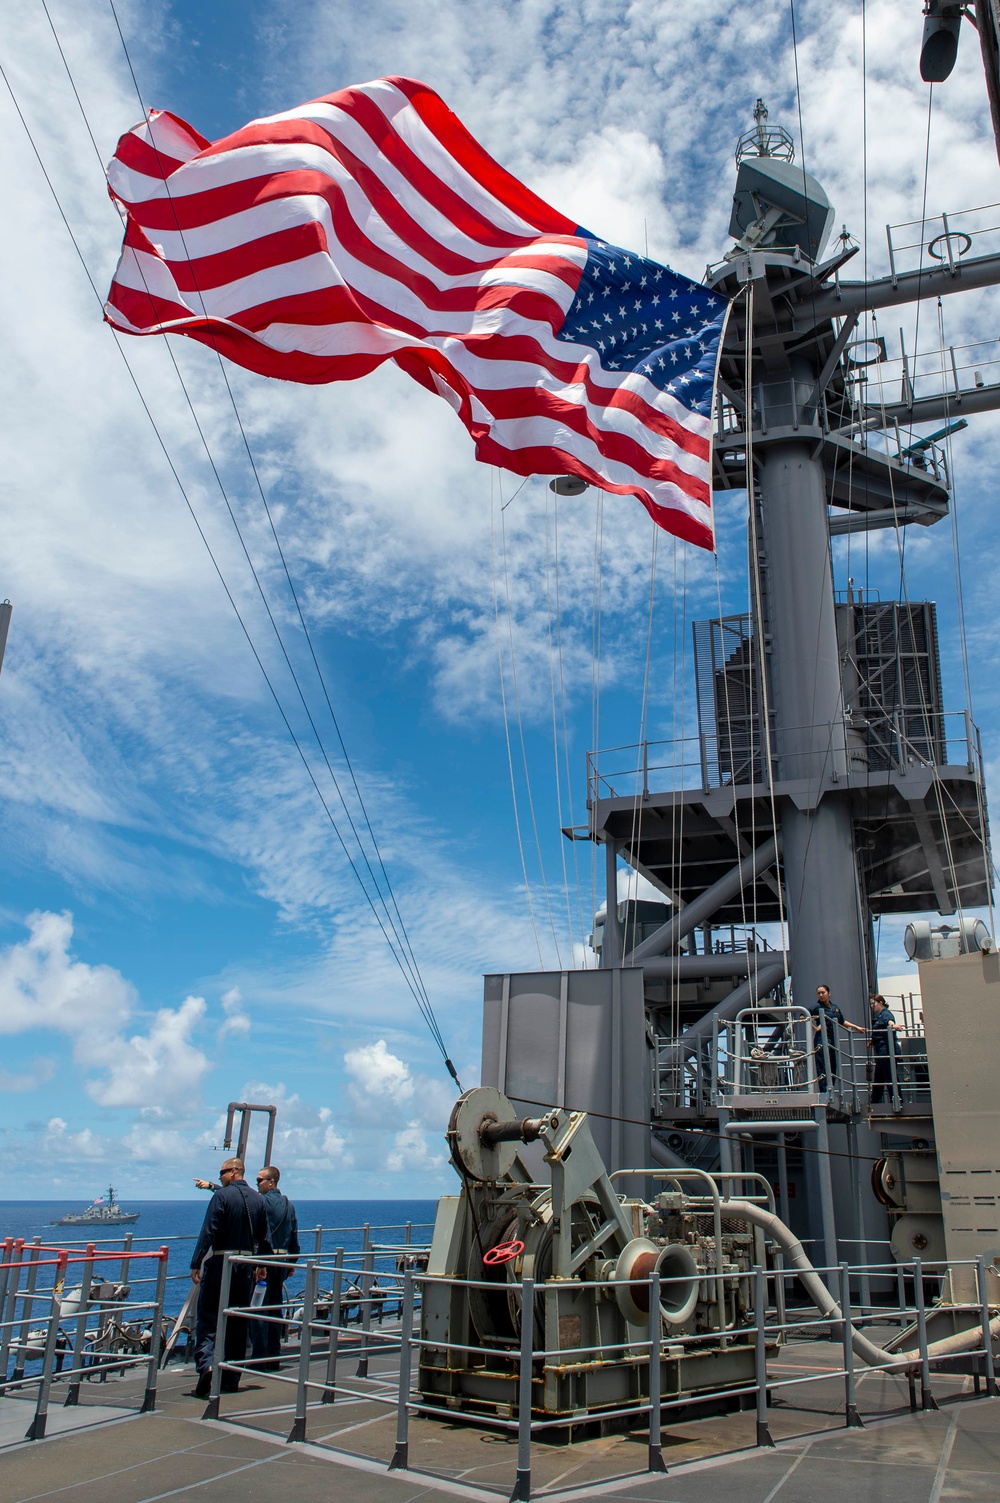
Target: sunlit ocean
<point x="176" y="1223"/>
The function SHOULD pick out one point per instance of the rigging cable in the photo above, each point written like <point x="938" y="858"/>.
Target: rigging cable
<point x="400" y="961"/>
<point x="755" y="585"/>
<point x="555" y="720"/>
<point x="562" y="713"/>
<point x="639" y="798"/>
<point x="595" y="684"/>
<point x="520" y="728"/>
<point x="394" y="919"/>
<point x="506" y="724"/>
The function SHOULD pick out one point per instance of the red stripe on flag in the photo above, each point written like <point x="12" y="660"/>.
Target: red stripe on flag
<point x="392" y="244"/>
<point x="466" y="150"/>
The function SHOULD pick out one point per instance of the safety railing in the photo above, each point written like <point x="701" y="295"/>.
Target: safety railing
<point x="943" y="239"/>
<point x="349" y="1297"/>
<point x="97" y="1328"/>
<point x="771" y="1323"/>
<point x="908" y="737"/>
<point x="318" y="1239"/>
<point x="950" y="370"/>
<point x="759" y="1059"/>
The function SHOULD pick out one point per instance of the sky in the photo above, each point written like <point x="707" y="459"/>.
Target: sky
<point x="179" y="924"/>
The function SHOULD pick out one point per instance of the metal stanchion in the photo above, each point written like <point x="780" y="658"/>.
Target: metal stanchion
<point x="522" y="1483"/>
<point x="318" y="1241"/>
<point x="984" y="1302"/>
<point x="124" y="1271"/>
<point x="36" y="1430"/>
<point x="401" y="1455"/>
<point x="927" y="1400"/>
<point x="330" y="1391"/>
<point x="852" y="1418"/>
<point x="760" y="1355"/>
<point x="298" y="1430"/>
<point x="654" y="1460"/>
<point x="367" y="1270"/>
<point x="212" y="1410"/>
<point x="8" y="1306"/>
<point x="80" y="1335"/>
<point x="27" y="1300"/>
<point x="156" y="1334"/>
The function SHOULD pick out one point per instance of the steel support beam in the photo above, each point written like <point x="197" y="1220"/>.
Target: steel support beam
<point x="935" y="409"/>
<point x="712" y="967"/>
<point x="746" y="994"/>
<point x="935" y="866"/>
<point x="707" y="903"/>
<point x="849" y="298"/>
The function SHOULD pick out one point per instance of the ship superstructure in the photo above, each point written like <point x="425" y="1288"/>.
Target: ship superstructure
<point x="828" y="783"/>
<point x="101" y="1213"/>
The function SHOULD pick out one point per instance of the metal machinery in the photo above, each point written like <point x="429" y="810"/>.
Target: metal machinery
<point x="588" y="1247"/>
<point x="246" y="1110"/>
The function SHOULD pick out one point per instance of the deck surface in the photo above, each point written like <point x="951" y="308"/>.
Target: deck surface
<point x="102" y="1451"/>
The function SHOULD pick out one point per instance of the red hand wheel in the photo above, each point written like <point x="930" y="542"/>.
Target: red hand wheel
<point x="504" y="1252"/>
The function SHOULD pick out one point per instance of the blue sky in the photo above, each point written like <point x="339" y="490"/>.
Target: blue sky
<point x="178" y="926"/>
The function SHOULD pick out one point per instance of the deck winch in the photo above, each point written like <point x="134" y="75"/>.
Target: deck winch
<point x="593" y="1252"/>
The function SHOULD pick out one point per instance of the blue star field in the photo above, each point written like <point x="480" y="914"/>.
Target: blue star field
<point x="642" y="317"/>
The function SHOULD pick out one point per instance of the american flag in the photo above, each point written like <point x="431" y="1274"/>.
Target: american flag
<point x="369" y="226"/>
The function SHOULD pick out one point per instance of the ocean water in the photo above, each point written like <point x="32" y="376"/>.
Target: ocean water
<point x="324" y="1225"/>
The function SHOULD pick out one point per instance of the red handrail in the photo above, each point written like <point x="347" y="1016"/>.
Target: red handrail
<point x="63" y="1258"/>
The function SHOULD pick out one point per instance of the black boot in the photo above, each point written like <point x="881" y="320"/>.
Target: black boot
<point x="203" y="1387"/>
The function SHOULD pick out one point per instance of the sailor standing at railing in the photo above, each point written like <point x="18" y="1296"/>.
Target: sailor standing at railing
<point x="826" y="1015"/>
<point x="283" y="1230"/>
<point x="883" y="1045"/>
<point x="236" y="1221"/>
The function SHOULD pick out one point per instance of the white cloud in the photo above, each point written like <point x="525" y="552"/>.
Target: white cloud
<point x="412" y="1153"/>
<point x="161" y="1065"/>
<point x="43" y="988"/>
<point x="84" y="1144"/>
<point x="236" y="1023"/>
<point x="379" y="1074"/>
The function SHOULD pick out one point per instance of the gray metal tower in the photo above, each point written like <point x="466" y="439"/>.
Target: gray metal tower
<point x="828" y="787"/>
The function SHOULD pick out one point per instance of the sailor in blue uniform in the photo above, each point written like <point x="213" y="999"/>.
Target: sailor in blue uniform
<point x="235" y="1221"/>
<point x="826" y="1015"/>
<point x="883" y="1046"/>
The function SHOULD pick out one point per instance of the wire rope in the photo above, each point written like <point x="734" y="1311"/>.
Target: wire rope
<point x="402" y="961"/>
<point x="520" y="733"/>
<point x="395" y="918"/>
<point x="755" y="587"/>
<point x="595" y="683"/>
<point x="562" y="717"/>
<point x="506" y="726"/>
<point x="640" y="792"/>
<point x="555" y="719"/>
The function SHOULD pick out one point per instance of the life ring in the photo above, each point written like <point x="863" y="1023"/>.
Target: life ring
<point x="504" y="1252"/>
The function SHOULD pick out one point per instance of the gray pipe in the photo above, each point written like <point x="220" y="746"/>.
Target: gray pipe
<point x="692" y="967"/>
<point x="905" y="287"/>
<point x="828" y="1307"/>
<point x="707" y="903"/>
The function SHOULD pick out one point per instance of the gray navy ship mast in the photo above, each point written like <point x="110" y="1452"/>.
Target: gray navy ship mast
<point x="101" y="1213"/>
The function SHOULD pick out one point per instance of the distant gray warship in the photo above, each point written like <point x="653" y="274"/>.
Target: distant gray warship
<point x="101" y="1213"/>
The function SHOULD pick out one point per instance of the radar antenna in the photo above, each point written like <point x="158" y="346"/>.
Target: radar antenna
<point x="765" y="140"/>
